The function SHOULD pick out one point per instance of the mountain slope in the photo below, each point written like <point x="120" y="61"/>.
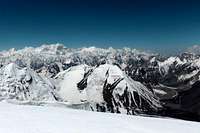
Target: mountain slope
<point x="34" y="119"/>
<point x="106" y="88"/>
<point x="24" y="84"/>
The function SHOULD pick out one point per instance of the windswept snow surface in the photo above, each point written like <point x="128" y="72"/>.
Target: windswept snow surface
<point x="37" y="119"/>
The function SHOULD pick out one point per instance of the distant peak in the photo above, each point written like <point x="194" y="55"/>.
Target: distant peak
<point x="195" y="49"/>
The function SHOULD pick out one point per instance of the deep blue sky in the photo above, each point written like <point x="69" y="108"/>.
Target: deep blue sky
<point x="145" y="24"/>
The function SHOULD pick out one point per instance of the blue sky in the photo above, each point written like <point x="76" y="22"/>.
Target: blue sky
<point x="162" y="25"/>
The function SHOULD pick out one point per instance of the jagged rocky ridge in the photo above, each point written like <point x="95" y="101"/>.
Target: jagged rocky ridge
<point x="171" y="81"/>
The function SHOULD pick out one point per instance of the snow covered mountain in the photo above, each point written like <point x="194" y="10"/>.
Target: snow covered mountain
<point x="51" y="59"/>
<point x="114" y="80"/>
<point x="107" y="89"/>
<point x="24" y="84"/>
<point x="104" y="88"/>
<point x="175" y="80"/>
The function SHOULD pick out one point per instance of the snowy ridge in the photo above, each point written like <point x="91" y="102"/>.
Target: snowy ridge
<point x="41" y="57"/>
<point x="164" y="66"/>
<point x="24" y="84"/>
<point x="106" y="88"/>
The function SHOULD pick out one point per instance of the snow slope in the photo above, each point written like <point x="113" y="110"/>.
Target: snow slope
<point x="24" y="84"/>
<point x="69" y="90"/>
<point x="99" y="87"/>
<point x="37" y="119"/>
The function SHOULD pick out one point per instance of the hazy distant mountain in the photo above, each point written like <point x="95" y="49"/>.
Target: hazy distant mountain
<point x="194" y="49"/>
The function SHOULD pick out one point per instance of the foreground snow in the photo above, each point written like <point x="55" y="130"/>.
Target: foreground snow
<point x="37" y="119"/>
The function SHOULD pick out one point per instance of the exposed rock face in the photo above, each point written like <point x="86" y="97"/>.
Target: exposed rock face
<point x="175" y="81"/>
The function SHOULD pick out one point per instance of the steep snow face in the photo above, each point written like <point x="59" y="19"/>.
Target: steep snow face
<point x="106" y="88"/>
<point x="69" y="91"/>
<point x="24" y="84"/>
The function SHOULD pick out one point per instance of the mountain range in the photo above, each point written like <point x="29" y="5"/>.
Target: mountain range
<point x="126" y="80"/>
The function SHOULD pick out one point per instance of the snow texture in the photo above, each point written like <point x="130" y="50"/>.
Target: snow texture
<point x="36" y="119"/>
